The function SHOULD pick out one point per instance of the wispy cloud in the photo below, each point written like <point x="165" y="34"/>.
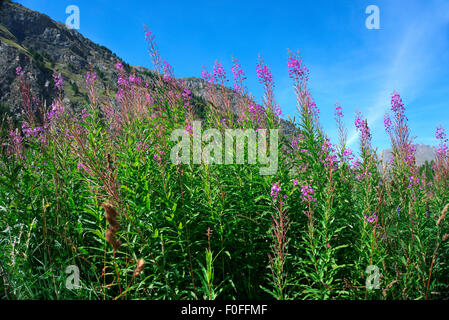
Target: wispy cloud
<point x="411" y="65"/>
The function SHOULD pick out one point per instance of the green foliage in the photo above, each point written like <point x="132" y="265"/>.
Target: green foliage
<point x="38" y="58"/>
<point x="75" y="88"/>
<point x="207" y="231"/>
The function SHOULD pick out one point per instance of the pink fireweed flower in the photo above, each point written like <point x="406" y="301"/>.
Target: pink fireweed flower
<point x="371" y="219"/>
<point x="387" y="122"/>
<point x="397" y="106"/>
<point x="356" y="164"/>
<point x="122" y="81"/>
<point x="19" y="71"/>
<point x="26" y="129"/>
<point x="256" y="111"/>
<point x="57" y="109"/>
<point x="296" y="69"/>
<point x="300" y="75"/>
<point x="264" y="74"/>
<point x="210" y="78"/>
<point x="120" y="95"/>
<point x="135" y="79"/>
<point x="278" y="111"/>
<point x="363" y="174"/>
<point x="330" y="161"/>
<point x="15" y="147"/>
<point x="205" y="74"/>
<point x="149" y="35"/>
<point x="119" y="66"/>
<point x="186" y="94"/>
<point x="443" y="150"/>
<point x="275" y="189"/>
<point x="413" y="181"/>
<point x="338" y="116"/>
<point x="307" y="193"/>
<point x="142" y="147"/>
<point x="238" y="74"/>
<point x="294" y="144"/>
<point x="36" y="132"/>
<point x="158" y="156"/>
<point x="348" y="155"/>
<point x="362" y="127"/>
<point x="153" y="50"/>
<point x="440" y="135"/>
<point x="358" y="121"/>
<point x="188" y="129"/>
<point x="90" y="79"/>
<point x="266" y="78"/>
<point x="59" y="84"/>
<point x="84" y="115"/>
<point x="410" y="154"/>
<point x="15" y="137"/>
<point x="327" y="149"/>
<point x="219" y="72"/>
<point x="338" y="111"/>
<point x="295" y="182"/>
<point x="168" y="71"/>
<point x="311" y="107"/>
<point x="327" y="146"/>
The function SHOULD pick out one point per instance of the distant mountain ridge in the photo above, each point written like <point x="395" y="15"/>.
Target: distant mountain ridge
<point x="423" y="153"/>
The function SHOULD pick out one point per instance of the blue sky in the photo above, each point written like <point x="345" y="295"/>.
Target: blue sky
<point x="348" y="63"/>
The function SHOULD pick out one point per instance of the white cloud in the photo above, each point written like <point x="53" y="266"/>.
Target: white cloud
<point x="411" y="66"/>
